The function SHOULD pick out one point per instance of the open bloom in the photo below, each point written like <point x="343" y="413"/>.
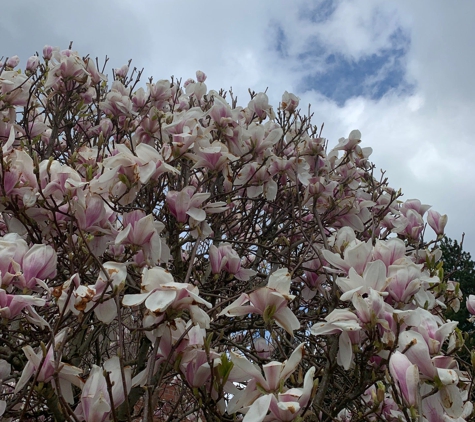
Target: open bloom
<point x="46" y="368"/>
<point x="271" y="382"/>
<point x="160" y="291"/>
<point x="141" y="230"/>
<point x="187" y="202"/>
<point x="374" y="277"/>
<point x="12" y="305"/>
<point x="341" y="321"/>
<point x="99" y="295"/>
<point x="356" y="255"/>
<point x="225" y="258"/>
<point x="270" y="302"/>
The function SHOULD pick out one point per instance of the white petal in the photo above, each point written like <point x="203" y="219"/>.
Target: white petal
<point x="159" y="300"/>
<point x="197" y="214"/>
<point x="133" y="300"/>
<point x="258" y="411"/>
<point x="106" y="311"/>
<point x="345" y="352"/>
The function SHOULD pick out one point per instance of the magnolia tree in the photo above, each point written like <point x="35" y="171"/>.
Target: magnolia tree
<point x="161" y="237"/>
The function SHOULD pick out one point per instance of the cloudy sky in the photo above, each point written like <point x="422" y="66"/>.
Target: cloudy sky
<point x="400" y="71"/>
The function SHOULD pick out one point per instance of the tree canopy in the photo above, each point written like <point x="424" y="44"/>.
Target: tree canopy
<point x="167" y="254"/>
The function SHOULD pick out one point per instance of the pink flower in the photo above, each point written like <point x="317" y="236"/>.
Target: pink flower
<point x="417" y="351"/>
<point x="187" y="202"/>
<point x="271" y="302"/>
<point x="356" y="255"/>
<point x="213" y="157"/>
<point x="96" y="76"/>
<point x="117" y="102"/>
<point x="290" y="102"/>
<point x="406" y="376"/>
<point x="39" y="263"/>
<point x="195" y="366"/>
<point x="13" y="62"/>
<point x="471" y="304"/>
<point x="225" y="258"/>
<point x="259" y="105"/>
<point x="348" y="144"/>
<point x="437" y="222"/>
<point x="343" y="322"/>
<point x="68" y="70"/>
<point x="32" y="64"/>
<point x="389" y="251"/>
<point x="200" y="76"/>
<point x="47" y="52"/>
<point x="410" y="225"/>
<point x="416" y="205"/>
<point x="46" y="367"/>
<point x="374" y="277"/>
<point x="405" y="280"/>
<point x="14" y="88"/>
<point x="12" y="305"/>
<point x="122" y="71"/>
<point x="141" y="230"/>
<point x="160" y="292"/>
<point x="263" y="348"/>
<point x="96" y="404"/>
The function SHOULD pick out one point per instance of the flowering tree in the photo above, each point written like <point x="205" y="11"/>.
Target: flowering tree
<point x="161" y="236"/>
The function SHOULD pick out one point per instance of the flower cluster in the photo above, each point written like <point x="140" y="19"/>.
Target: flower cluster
<point x="157" y="235"/>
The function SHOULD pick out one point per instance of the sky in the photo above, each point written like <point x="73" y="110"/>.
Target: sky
<point x="399" y="71"/>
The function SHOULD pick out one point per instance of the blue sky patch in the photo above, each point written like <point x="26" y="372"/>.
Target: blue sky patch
<point x="372" y="76"/>
<point x="280" y="43"/>
<point x="319" y="13"/>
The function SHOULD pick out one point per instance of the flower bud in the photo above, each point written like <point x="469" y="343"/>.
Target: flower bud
<point x="47" y="52"/>
<point x="122" y="72"/>
<point x="437" y="222"/>
<point x="200" y="76"/>
<point x="471" y="304"/>
<point x="32" y="64"/>
<point x="289" y="102"/>
<point x="13" y="62"/>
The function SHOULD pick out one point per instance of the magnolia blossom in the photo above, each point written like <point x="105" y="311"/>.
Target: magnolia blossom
<point x="260" y="106"/>
<point x="356" y="254"/>
<point x="343" y="322"/>
<point x="374" y="277"/>
<point x="45" y="367"/>
<point x="98" y="296"/>
<point x="406" y="376"/>
<point x="38" y="264"/>
<point x="160" y="291"/>
<point x="289" y="102"/>
<point x="285" y="404"/>
<point x="12" y="305"/>
<point x="470" y="303"/>
<point x="271" y="302"/>
<point x="14" y="88"/>
<point x="187" y="202"/>
<point x="141" y="230"/>
<point x="146" y="219"/>
<point x="226" y="258"/>
<point x="96" y="403"/>
<point x="134" y="170"/>
<point x="437" y="222"/>
<point x="195" y="365"/>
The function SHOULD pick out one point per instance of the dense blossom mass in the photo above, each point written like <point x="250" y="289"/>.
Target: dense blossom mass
<point x="157" y="235"/>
